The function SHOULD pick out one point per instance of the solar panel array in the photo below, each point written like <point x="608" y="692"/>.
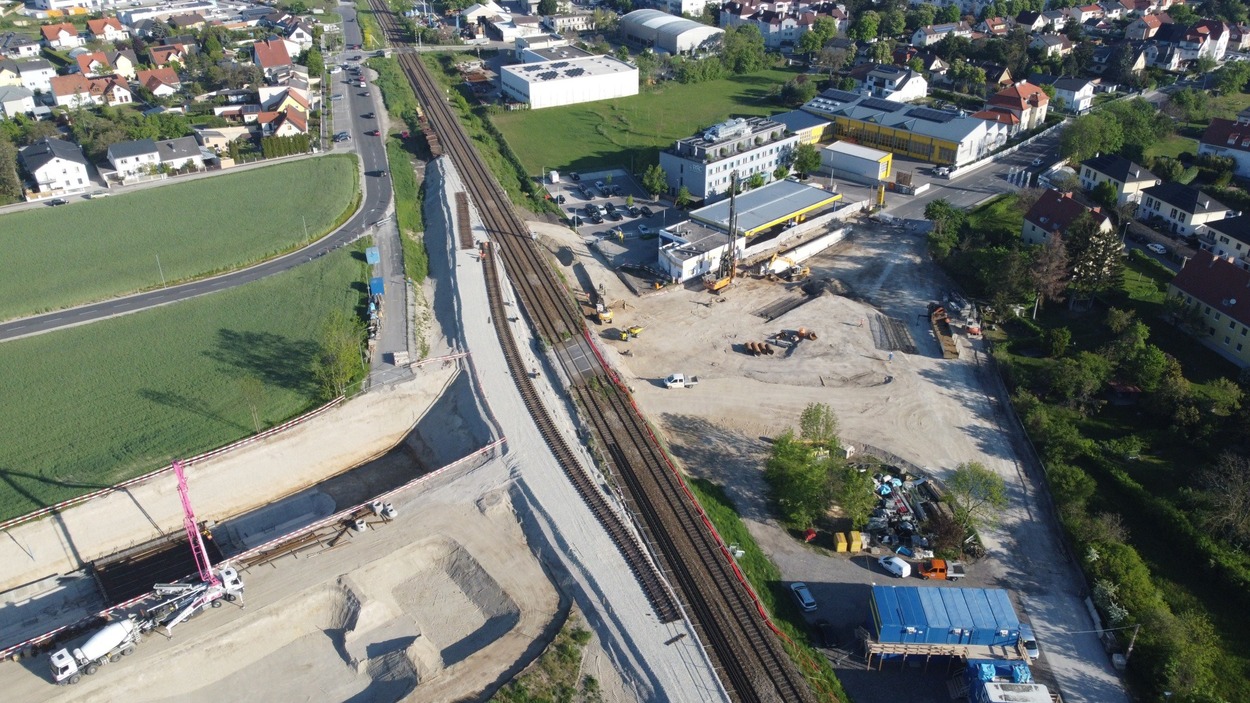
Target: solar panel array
<point x="574" y="72"/>
<point x="882" y="105"/>
<point x="928" y="113"/>
<point x="841" y="96"/>
<point x="559" y="64"/>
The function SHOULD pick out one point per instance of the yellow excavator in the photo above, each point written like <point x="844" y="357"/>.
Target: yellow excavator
<point x="795" y="272"/>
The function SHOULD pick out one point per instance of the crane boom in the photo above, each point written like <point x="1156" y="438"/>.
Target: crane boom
<point x="193" y="530"/>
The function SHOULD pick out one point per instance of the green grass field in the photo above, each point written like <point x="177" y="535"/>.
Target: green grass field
<point x="91" y="406"/>
<point x="87" y="251"/>
<point x="1173" y="146"/>
<point x="631" y="131"/>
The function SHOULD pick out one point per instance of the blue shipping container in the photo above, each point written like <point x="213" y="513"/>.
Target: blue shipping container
<point x="910" y="614"/>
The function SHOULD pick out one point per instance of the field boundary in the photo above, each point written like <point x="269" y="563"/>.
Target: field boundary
<point x="43" y="512"/>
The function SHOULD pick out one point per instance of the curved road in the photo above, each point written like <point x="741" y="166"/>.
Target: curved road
<point x="376" y="199"/>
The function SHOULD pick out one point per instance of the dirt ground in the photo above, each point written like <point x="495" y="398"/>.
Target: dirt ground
<point x="930" y="411"/>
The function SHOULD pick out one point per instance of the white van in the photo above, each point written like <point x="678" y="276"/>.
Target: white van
<point x="895" y="565"/>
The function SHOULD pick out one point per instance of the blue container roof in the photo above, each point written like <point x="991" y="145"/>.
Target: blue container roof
<point x="375" y="286"/>
<point x="984" y="609"/>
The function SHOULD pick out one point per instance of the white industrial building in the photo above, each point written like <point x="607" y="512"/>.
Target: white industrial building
<point x="856" y="162"/>
<point x="704" y="163"/>
<point x="668" y="33"/>
<point x="568" y="81"/>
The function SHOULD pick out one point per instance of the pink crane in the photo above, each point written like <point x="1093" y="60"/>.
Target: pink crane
<point x="193" y="531"/>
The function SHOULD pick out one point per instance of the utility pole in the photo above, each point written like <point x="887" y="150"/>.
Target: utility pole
<point x="1132" y="640"/>
<point x="161" y="270"/>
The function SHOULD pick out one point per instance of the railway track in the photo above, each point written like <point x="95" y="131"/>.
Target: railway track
<point x="741" y="642"/>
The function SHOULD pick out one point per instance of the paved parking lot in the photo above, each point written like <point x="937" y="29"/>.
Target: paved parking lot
<point x="619" y="187"/>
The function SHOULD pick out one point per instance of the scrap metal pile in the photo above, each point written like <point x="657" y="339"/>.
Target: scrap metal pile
<point x="905" y="506"/>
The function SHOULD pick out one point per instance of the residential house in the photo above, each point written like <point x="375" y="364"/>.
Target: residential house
<point x="166" y="54"/>
<point x="1026" y="101"/>
<point x="94" y="63"/>
<point x="934" y="33"/>
<point x="301" y="34"/>
<point x="161" y="82"/>
<point x="124" y="63"/>
<point x="1229" y="238"/>
<point x="146" y="28"/>
<point x="1030" y="21"/>
<point x="271" y="55"/>
<point x="1162" y="55"/>
<point x="1051" y="45"/>
<point x="1098" y="27"/>
<point x="895" y="83"/>
<point x="1104" y="57"/>
<point x="1179" y="208"/>
<point x="1206" y="39"/>
<point x="1056" y="19"/>
<point x="108" y="30"/>
<point x="181" y="153"/>
<point x="994" y="26"/>
<point x="1219" y="290"/>
<point x="1230" y="139"/>
<point x="77" y="90"/>
<point x="9" y="74"/>
<point x="37" y="74"/>
<point x="997" y="76"/>
<point x="135" y="158"/>
<point x="18" y="46"/>
<point x="286" y="123"/>
<point x="16" y="100"/>
<point x="1112" y="10"/>
<point x="1056" y="212"/>
<point x="218" y="139"/>
<point x="705" y="162"/>
<point x="1128" y="178"/>
<point x="570" y="22"/>
<point x="1005" y="119"/>
<point x="930" y="63"/>
<point x="279" y="98"/>
<point x="61" y="36"/>
<point x="1238" y="37"/>
<point x="57" y="166"/>
<point x="1143" y="28"/>
<point x="1084" y="13"/>
<point x="189" y="21"/>
<point x="1075" y="95"/>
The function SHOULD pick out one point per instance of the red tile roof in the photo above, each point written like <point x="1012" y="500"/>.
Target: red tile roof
<point x="999" y="116"/>
<point x="1215" y="281"/>
<point x="85" y="60"/>
<point x="154" y="78"/>
<point x="1056" y="211"/>
<point x="70" y="84"/>
<point x="97" y="26"/>
<point x="1020" y="96"/>
<point x="1227" y="134"/>
<point x="271" y="53"/>
<point x="162" y="55"/>
<point x="52" y="31"/>
<point x="296" y="118"/>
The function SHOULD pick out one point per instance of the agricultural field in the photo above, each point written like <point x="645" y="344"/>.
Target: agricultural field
<point x="631" y="131"/>
<point x="98" y="249"/>
<point x="90" y="406"/>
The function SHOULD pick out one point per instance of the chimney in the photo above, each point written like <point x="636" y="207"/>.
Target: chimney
<point x="1136" y="172"/>
<point x="1206" y="203"/>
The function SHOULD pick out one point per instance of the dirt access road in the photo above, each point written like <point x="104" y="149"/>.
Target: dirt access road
<point x="933" y="412"/>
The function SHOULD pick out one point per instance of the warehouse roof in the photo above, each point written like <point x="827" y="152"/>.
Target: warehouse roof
<point x="925" y="121"/>
<point x="858" y="150"/>
<point x="944" y="609"/>
<point x="542" y="71"/>
<point x="797" y="120"/>
<point x="698" y="239"/>
<point x="665" y="30"/>
<point x="766" y="206"/>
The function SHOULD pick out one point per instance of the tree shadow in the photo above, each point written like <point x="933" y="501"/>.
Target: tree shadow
<point x="274" y="359"/>
<point x="177" y="401"/>
<point x="12" y="479"/>
<point x="731" y="459"/>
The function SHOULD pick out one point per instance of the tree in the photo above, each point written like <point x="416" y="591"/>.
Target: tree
<point x="1232" y="77"/>
<point x="338" y="358"/>
<point x="1078" y="380"/>
<point x="865" y="27"/>
<point x="806" y="159"/>
<point x="605" y="20"/>
<point x="810" y="43"/>
<point x="798" y="91"/>
<point x="1226" y="497"/>
<point x="831" y="59"/>
<point x="547" y="8"/>
<point x="976" y="494"/>
<point x="818" y="426"/>
<point x="1223" y="397"/>
<point x="920" y="16"/>
<point x="742" y="49"/>
<point x="10" y="184"/>
<point x="1167" y="169"/>
<point x="801" y="483"/>
<point x="854" y="495"/>
<point x="893" y="23"/>
<point x="1088" y="135"/>
<point x="1105" y="194"/>
<point x="1095" y="251"/>
<point x="756" y="180"/>
<point x="947" y="221"/>
<point x="881" y="51"/>
<point x="1049" y="271"/>
<point x="212" y="47"/>
<point x="313" y="62"/>
<point x="1183" y="15"/>
<point x="655" y="180"/>
<point x="949" y="13"/>
<point x="683" y="197"/>
<point x="1060" y="338"/>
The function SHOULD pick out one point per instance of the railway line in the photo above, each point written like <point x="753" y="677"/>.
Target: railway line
<point x="741" y="642"/>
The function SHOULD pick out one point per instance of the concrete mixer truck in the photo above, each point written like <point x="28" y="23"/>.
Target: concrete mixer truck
<point x="108" y="644"/>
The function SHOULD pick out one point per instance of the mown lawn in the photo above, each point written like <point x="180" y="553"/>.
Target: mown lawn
<point x="631" y="131"/>
<point x="86" y="251"/>
<point x="1173" y="146"/>
<point x="90" y="406"/>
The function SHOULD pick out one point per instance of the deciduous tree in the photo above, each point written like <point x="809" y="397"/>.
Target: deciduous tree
<point x="1049" y="272"/>
<point x="1097" y="264"/>
<point x="1088" y="135"/>
<point x="801" y="483"/>
<point x="976" y="494"/>
<point x="866" y="26"/>
<point x="339" y="358"/>
<point x="806" y="159"/>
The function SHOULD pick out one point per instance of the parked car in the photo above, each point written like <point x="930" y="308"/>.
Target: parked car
<point x="1037" y="161"/>
<point x="335" y="70"/>
<point x="895" y="566"/>
<point x="559" y="199"/>
<point x="646" y="211"/>
<point x="596" y="218"/>
<point x="1157" y="248"/>
<point x="599" y="185"/>
<point x="644" y="230"/>
<point x="1029" y="641"/>
<point x="610" y="207"/>
<point x="615" y="215"/>
<point x="100" y="194"/>
<point x="336" y="97"/>
<point x="57" y="201"/>
<point x="367" y="115"/>
<point x="342" y="137"/>
<point x="374" y="133"/>
<point x="616" y="190"/>
<point x="803" y="596"/>
<point x="634" y="211"/>
<point x="575" y="176"/>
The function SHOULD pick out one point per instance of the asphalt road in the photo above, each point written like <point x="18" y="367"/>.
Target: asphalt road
<point x="376" y="200"/>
